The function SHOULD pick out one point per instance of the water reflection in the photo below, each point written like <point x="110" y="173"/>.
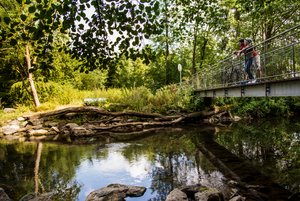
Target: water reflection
<point x="158" y="162"/>
<point x="272" y="146"/>
<point x="114" y="168"/>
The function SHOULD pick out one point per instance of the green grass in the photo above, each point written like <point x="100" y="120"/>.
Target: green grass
<point x="20" y="111"/>
<point x="137" y="99"/>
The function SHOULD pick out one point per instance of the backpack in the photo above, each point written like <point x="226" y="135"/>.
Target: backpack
<point x="249" y="40"/>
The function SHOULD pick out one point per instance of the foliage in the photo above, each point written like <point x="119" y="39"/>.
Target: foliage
<point x="20" y="110"/>
<point x="33" y="27"/>
<point x="165" y="100"/>
<point x="29" y="23"/>
<point x="90" y="35"/>
<point x="258" y="107"/>
<point x="56" y="93"/>
<point x="130" y="73"/>
<point x="111" y="35"/>
<point x="130" y="21"/>
<point x="156" y="76"/>
<point x="90" y="81"/>
<point x="137" y="99"/>
<point x="171" y="99"/>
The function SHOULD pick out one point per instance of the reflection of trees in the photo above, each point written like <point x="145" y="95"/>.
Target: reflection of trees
<point x="36" y="167"/>
<point x="162" y="179"/>
<point x="175" y="160"/>
<point x="208" y="174"/>
<point x="272" y="145"/>
<point x="58" y="168"/>
<point x="62" y="190"/>
<point x="14" y="166"/>
<point x="171" y="157"/>
<point x="54" y="166"/>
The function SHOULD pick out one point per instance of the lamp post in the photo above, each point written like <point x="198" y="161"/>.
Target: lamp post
<point x="179" y="69"/>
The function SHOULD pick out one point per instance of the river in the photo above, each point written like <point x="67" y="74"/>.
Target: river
<point x="159" y="162"/>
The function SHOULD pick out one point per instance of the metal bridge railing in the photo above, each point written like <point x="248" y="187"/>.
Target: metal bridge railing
<point x="280" y="59"/>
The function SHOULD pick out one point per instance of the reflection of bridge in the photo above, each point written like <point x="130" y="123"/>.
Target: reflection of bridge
<point x="253" y="184"/>
<point x="280" y="64"/>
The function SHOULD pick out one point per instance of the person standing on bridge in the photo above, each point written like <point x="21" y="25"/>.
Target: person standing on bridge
<point x="256" y="63"/>
<point x="247" y="50"/>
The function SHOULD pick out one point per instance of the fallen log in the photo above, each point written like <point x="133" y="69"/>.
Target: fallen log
<point x="102" y="122"/>
<point x="92" y="110"/>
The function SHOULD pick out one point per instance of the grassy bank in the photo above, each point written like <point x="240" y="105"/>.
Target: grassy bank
<point x="165" y="100"/>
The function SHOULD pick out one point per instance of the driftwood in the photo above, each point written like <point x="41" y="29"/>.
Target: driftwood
<point x="97" y="120"/>
<point x="101" y="112"/>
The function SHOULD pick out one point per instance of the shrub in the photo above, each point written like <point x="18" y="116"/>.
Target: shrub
<point x="90" y="81"/>
<point x="137" y="99"/>
<point x="171" y="98"/>
<point x="261" y="107"/>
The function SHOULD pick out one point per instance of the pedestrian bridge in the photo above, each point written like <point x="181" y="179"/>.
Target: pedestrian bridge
<point x="276" y="88"/>
<point x="280" y="71"/>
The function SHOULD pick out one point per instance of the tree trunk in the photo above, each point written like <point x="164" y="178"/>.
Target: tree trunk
<point x="194" y="52"/>
<point x="205" y="40"/>
<point x="167" y="43"/>
<point x="30" y="77"/>
<point x="237" y="17"/>
<point x="37" y="167"/>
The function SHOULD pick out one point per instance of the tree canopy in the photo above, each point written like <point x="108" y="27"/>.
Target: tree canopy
<point x="99" y="34"/>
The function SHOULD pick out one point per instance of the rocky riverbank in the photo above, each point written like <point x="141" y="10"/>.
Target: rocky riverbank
<point x="76" y="122"/>
<point x="118" y="192"/>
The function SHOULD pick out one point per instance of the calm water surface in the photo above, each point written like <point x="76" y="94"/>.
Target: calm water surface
<point x="158" y="162"/>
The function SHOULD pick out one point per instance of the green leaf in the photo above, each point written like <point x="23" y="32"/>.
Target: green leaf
<point x="82" y="14"/>
<point x="13" y="42"/>
<point x="23" y="17"/>
<point x="6" y="20"/>
<point x="31" y="9"/>
<point x="24" y="37"/>
<point x="156" y="6"/>
<point x="81" y="26"/>
<point x="12" y="30"/>
<point x="141" y="6"/>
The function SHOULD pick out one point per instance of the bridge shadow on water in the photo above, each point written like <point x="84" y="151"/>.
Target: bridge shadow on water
<point x="242" y="175"/>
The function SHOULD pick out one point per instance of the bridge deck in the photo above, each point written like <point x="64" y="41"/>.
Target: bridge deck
<point x="275" y="88"/>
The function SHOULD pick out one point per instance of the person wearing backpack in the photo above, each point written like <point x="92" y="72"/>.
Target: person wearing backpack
<point x="256" y="63"/>
<point x="247" y="50"/>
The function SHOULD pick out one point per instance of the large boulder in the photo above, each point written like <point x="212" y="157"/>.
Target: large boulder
<point x="37" y="132"/>
<point x="13" y="126"/>
<point x="10" y="129"/>
<point x="78" y="131"/>
<point x="177" y="195"/>
<point x="116" y="192"/>
<point x="9" y="110"/>
<point x="209" y="194"/>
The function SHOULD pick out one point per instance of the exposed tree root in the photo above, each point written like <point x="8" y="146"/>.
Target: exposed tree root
<point x="95" y="121"/>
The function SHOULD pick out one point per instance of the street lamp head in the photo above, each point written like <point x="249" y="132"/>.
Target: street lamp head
<point x="179" y="67"/>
